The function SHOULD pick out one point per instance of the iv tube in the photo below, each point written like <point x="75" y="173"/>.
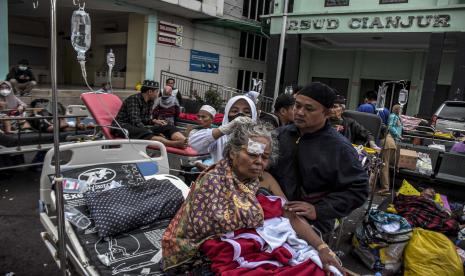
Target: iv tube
<point x="81" y="37"/>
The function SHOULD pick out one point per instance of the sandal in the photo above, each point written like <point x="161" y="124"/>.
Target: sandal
<point x="383" y="192"/>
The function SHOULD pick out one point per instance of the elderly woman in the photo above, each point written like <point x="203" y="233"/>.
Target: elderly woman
<point x="238" y="110"/>
<point x="224" y="200"/>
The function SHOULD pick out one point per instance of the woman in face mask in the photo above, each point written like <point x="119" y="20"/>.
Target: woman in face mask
<point x="12" y="106"/>
<point x="238" y="110"/>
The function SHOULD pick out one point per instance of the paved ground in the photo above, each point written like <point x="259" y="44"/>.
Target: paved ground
<point x="22" y="250"/>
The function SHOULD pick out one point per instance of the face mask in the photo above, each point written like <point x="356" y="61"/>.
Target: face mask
<point x="22" y="68"/>
<point x="5" y="92"/>
<point x="240" y="114"/>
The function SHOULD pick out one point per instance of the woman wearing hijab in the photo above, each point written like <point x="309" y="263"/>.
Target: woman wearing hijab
<point x="238" y="110"/>
<point x="8" y="101"/>
<point x="167" y="107"/>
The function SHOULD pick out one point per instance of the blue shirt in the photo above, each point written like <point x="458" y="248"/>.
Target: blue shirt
<point x="370" y="108"/>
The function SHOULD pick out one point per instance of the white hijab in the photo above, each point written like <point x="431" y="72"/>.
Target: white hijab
<point x="221" y="142"/>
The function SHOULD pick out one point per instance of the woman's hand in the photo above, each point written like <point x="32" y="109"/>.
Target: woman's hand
<point x="301" y="208"/>
<point x="328" y="258"/>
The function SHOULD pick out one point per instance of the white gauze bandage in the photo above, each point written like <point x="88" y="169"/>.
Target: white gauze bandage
<point x="254" y="147"/>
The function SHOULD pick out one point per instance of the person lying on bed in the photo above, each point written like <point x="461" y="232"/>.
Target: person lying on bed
<point x="224" y="199"/>
<point x="238" y="110"/>
<point x="136" y="118"/>
<point x="11" y="106"/>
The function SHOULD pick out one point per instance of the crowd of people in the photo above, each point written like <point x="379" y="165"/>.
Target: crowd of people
<point x="302" y="152"/>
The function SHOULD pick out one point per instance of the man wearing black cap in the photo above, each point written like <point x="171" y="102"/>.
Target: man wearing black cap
<point x="135" y="116"/>
<point x="283" y="111"/>
<point x="21" y="78"/>
<point x="318" y="169"/>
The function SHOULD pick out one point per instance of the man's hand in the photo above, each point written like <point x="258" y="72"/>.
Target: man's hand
<point x="301" y="208"/>
<point x="328" y="258"/>
<point x="229" y="127"/>
<point x="159" y="122"/>
<point x="3" y="105"/>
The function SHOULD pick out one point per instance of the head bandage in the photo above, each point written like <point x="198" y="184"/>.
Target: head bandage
<point x="254" y="147"/>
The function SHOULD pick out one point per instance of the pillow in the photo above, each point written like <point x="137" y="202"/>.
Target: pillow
<point x="130" y="207"/>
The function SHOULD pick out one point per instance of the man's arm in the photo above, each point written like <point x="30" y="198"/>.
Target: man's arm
<point x="133" y="109"/>
<point x="361" y="133"/>
<point x="351" y="188"/>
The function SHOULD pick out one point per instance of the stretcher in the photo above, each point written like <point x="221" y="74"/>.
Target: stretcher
<point x="136" y="252"/>
<point x="104" y="108"/>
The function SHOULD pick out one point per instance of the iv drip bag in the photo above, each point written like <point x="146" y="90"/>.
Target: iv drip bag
<point x="403" y="97"/>
<point x="381" y="98"/>
<point x="111" y="59"/>
<point x="80" y="32"/>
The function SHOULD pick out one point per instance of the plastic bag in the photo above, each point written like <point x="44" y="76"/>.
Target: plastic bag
<point x="431" y="253"/>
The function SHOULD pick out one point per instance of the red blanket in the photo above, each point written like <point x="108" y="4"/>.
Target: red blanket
<point x="193" y="117"/>
<point x="248" y="255"/>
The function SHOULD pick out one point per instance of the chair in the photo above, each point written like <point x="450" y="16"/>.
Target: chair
<point x="371" y="122"/>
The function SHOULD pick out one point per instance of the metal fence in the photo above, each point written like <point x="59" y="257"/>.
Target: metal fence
<point x="195" y="88"/>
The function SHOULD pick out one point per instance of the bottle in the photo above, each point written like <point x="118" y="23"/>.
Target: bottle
<point x="76" y="218"/>
<point x="80" y="32"/>
<point x="111" y="59"/>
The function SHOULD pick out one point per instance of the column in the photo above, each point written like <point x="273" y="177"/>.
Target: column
<point x="457" y="87"/>
<point x="271" y="65"/>
<point x="135" y="50"/>
<point x="354" y="89"/>
<point x="415" y="85"/>
<point x="4" y="56"/>
<point x="292" y="60"/>
<point x="151" y="22"/>
<point x="433" y="65"/>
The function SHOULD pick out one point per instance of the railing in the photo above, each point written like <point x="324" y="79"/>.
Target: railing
<point x="195" y="88"/>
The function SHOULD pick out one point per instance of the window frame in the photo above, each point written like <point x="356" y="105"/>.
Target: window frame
<point x="336" y="5"/>
<point x="382" y="2"/>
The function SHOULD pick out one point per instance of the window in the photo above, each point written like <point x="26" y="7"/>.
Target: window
<point x="335" y="3"/>
<point x="252" y="46"/>
<point x="392" y="1"/>
<point x="253" y="9"/>
<point x="244" y="79"/>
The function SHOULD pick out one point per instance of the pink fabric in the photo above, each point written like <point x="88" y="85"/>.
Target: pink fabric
<point x="409" y="122"/>
<point x="193" y="117"/>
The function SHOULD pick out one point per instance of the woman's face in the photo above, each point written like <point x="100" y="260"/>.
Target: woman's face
<point x="204" y="119"/>
<point x="248" y="165"/>
<point x="239" y="108"/>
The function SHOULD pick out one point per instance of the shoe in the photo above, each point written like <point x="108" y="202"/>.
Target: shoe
<point x="383" y="192"/>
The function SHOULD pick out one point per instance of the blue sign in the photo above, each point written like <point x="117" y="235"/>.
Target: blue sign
<point x="204" y="62"/>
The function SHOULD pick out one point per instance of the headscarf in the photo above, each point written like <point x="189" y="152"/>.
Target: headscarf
<point x="11" y="100"/>
<point x="217" y="203"/>
<point x="221" y="142"/>
<point x="168" y="101"/>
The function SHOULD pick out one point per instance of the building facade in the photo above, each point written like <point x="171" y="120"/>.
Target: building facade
<point x="218" y="41"/>
<point x="355" y="45"/>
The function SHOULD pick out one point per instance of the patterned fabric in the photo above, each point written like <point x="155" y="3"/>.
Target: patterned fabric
<point x="128" y="207"/>
<point x="425" y="213"/>
<point x="135" y="111"/>
<point x="217" y="203"/>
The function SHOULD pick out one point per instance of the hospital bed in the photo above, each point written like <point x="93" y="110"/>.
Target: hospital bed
<point x="137" y="252"/>
<point x="104" y="108"/>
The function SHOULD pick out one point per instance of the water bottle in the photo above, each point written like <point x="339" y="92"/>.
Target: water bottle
<point x="111" y="59"/>
<point x="76" y="218"/>
<point x="80" y="32"/>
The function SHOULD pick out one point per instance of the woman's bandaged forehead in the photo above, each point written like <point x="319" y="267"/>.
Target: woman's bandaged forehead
<point x="255" y="147"/>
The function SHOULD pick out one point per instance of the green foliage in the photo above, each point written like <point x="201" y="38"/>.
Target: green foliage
<point x="213" y="98"/>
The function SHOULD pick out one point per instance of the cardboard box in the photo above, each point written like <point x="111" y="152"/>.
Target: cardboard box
<point x="407" y="159"/>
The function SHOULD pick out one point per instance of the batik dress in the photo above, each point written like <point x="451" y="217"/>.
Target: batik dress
<point x="217" y="203"/>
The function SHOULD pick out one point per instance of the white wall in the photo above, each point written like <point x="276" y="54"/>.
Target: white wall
<point x="201" y="37"/>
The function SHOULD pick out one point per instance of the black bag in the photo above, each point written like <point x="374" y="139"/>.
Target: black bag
<point x="129" y="207"/>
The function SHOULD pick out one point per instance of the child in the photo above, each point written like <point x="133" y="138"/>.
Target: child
<point x="13" y="106"/>
<point x="166" y="107"/>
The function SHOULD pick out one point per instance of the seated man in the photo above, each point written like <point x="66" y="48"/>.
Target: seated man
<point x="349" y="127"/>
<point x="318" y="169"/>
<point x="135" y="117"/>
<point x="21" y="78"/>
<point x="12" y="107"/>
<point x="283" y="111"/>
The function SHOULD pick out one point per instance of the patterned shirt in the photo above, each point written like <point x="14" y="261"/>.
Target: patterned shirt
<point x="135" y="111"/>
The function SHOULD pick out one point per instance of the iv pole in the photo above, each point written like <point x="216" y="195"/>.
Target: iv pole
<point x="282" y="40"/>
<point x="56" y="141"/>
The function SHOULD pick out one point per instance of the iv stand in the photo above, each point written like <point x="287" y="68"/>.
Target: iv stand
<point x="56" y="142"/>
